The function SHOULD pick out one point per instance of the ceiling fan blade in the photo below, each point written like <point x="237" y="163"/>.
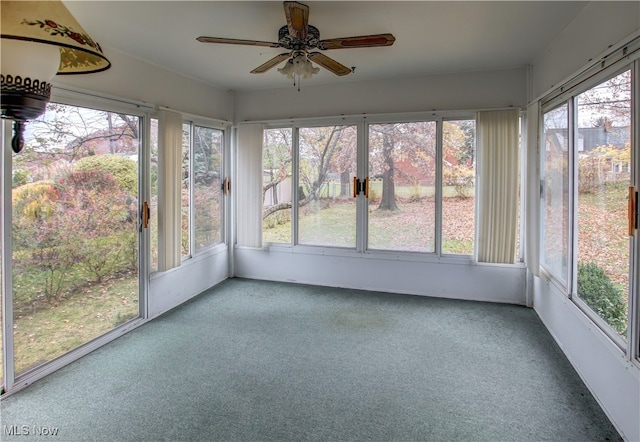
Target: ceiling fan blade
<point x="363" y="41"/>
<point x="297" y="15"/>
<point x="271" y="63"/>
<point x="329" y="63"/>
<point x="235" y="41"/>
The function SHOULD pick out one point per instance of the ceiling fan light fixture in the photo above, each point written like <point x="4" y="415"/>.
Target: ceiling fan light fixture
<point x="298" y="66"/>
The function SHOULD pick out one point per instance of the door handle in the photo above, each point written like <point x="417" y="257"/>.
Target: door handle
<point x="633" y="210"/>
<point x="226" y="186"/>
<point x="146" y="215"/>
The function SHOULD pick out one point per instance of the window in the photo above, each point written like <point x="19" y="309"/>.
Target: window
<point x="201" y="189"/>
<point x="402" y="173"/>
<point x="276" y="185"/>
<point x="185" y="190"/>
<point x="421" y="175"/>
<point x="206" y="179"/>
<point x="326" y="207"/>
<point x="153" y="194"/>
<point x="458" y="186"/>
<point x="589" y="164"/>
<point x="603" y="156"/>
<point x="555" y="192"/>
<point x="75" y="231"/>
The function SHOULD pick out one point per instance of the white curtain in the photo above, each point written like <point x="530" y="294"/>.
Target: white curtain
<point x="169" y="189"/>
<point x="498" y="185"/>
<point x="249" y="185"/>
<point x="532" y="201"/>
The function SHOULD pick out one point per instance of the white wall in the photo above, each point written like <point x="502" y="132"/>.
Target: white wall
<point x="137" y="80"/>
<point x="171" y="288"/>
<point x="386" y="272"/>
<point x="599" y="25"/>
<point x="613" y="380"/>
<point x="459" y="91"/>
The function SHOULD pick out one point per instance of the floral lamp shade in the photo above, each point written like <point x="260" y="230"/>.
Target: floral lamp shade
<point x="40" y="39"/>
<point x="50" y="22"/>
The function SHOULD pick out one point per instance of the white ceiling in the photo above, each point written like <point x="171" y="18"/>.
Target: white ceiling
<point x="431" y="36"/>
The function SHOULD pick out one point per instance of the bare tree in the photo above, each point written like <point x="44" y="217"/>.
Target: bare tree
<point x="395" y="142"/>
<point x="321" y="150"/>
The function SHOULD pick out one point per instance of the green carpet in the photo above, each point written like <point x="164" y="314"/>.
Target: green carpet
<point x="260" y="361"/>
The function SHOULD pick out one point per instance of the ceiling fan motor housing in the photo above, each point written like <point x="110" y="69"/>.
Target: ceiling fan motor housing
<point x="294" y="44"/>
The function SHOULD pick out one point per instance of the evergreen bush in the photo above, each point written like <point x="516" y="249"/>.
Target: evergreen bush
<point x="124" y="170"/>
<point x="601" y="294"/>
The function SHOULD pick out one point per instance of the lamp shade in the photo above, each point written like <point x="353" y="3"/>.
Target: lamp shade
<point x="50" y="22"/>
<point x="39" y="39"/>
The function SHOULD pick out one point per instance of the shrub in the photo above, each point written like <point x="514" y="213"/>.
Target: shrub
<point x="124" y="170"/>
<point x="590" y="173"/>
<point x="460" y="178"/>
<point x="76" y="229"/>
<point x="600" y="293"/>
<point x="35" y="200"/>
<point x="20" y="177"/>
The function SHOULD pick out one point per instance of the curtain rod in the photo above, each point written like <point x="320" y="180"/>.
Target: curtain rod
<point x="130" y="102"/>
<point x="604" y="60"/>
<point x="194" y="116"/>
<point x="88" y="93"/>
<point x="364" y="116"/>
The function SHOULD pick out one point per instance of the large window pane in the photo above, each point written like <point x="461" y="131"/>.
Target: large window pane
<point x="326" y="207"/>
<point x="555" y="197"/>
<point x="276" y="185"/>
<point x="603" y="144"/>
<point x="207" y="192"/>
<point x="458" y="186"/>
<point x="153" y="194"/>
<point x="402" y="170"/>
<point x="185" y="189"/>
<point x="74" y="235"/>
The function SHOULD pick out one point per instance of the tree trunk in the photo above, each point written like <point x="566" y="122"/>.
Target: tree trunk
<point x="112" y="144"/>
<point x="388" y="201"/>
<point x="345" y="183"/>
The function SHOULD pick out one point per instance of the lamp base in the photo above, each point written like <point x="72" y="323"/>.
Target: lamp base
<point x="22" y="100"/>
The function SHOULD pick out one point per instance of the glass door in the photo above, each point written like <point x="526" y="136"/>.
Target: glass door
<point x="402" y="195"/>
<point x="74" y="231"/>
<point x="603" y="163"/>
<point x="326" y="207"/>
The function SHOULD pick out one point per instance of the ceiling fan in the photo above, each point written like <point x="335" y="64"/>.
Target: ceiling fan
<point x="299" y="38"/>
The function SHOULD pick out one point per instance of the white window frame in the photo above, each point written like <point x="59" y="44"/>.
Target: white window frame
<point x="623" y="58"/>
<point x="362" y="123"/>
<point x="193" y="121"/>
<point x="71" y="97"/>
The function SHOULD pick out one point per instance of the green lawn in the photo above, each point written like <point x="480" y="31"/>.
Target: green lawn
<point x="47" y="330"/>
<point x="410" y="228"/>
